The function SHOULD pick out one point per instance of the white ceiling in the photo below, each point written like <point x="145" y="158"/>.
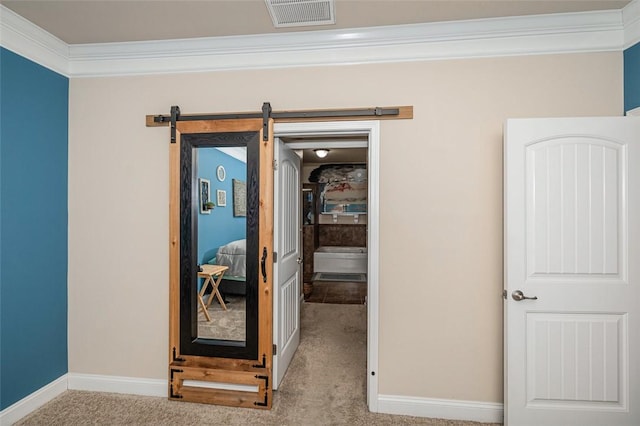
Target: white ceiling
<point x="100" y="21"/>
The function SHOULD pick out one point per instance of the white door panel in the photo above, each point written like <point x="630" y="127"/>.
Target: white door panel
<point x="572" y="217"/>
<point x="576" y="359"/>
<point x="574" y="206"/>
<point x="287" y="271"/>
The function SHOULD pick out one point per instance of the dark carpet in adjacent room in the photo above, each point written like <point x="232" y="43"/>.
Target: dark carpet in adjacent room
<point x="338" y="292"/>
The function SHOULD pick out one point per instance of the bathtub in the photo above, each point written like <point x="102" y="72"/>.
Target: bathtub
<point x="352" y="260"/>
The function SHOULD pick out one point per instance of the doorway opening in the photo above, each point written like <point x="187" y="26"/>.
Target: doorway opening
<point x="349" y="136"/>
<point x="334" y="229"/>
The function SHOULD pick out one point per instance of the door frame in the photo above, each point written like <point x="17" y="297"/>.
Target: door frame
<point x="370" y="129"/>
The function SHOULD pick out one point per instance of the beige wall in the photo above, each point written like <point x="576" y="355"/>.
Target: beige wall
<point x="440" y="204"/>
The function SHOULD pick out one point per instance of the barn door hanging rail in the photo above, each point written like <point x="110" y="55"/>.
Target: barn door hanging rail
<point x="376" y="113"/>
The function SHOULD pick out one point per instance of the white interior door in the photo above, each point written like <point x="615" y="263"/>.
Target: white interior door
<point x="572" y="239"/>
<point x="287" y="271"/>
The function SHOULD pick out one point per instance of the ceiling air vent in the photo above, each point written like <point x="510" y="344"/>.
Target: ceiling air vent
<point x="297" y="13"/>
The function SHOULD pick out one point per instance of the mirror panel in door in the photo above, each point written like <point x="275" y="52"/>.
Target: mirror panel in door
<point x="219" y="244"/>
<point x="222" y="237"/>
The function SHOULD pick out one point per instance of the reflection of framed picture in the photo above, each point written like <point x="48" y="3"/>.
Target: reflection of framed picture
<point x="222" y="197"/>
<point x="205" y="195"/>
<point x="221" y="173"/>
<point x="239" y="198"/>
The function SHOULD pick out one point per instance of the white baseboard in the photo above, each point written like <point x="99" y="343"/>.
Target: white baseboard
<point x="634" y="112"/>
<point x="441" y="408"/>
<point x="390" y="404"/>
<point x="117" y="384"/>
<point x="32" y="402"/>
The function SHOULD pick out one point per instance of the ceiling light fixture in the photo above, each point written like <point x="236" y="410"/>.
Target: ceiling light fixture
<point x="321" y="153"/>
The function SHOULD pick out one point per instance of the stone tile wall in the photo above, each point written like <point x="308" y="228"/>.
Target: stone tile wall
<point x="343" y="235"/>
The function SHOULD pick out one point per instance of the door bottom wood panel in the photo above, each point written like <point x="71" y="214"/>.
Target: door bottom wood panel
<point x="259" y="378"/>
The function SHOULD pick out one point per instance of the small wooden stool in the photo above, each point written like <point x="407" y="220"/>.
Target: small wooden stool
<point x="209" y="272"/>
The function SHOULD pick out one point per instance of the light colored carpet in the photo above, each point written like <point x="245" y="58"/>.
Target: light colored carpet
<point x="325" y="385"/>
<point x="224" y="325"/>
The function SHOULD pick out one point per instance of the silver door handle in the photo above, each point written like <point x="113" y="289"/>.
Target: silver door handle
<point x="518" y="296"/>
<point x="299" y="260"/>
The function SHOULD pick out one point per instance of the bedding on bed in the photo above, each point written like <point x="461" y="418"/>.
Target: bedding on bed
<point x="233" y="255"/>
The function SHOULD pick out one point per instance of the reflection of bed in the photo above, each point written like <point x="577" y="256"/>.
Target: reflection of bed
<point x="233" y="255"/>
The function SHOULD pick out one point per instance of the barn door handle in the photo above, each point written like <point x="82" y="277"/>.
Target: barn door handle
<point x="263" y="264"/>
<point x="518" y="296"/>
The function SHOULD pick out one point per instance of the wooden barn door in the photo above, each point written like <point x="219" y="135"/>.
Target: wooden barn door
<point x="234" y="373"/>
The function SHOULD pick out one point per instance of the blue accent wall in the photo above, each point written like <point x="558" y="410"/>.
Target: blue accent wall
<point x="219" y="227"/>
<point x="632" y="77"/>
<point x="33" y="226"/>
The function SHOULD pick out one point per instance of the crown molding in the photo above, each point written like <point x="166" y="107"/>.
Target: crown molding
<point x="631" y="21"/>
<point x="32" y="42"/>
<point x="541" y="34"/>
<point x="523" y="35"/>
